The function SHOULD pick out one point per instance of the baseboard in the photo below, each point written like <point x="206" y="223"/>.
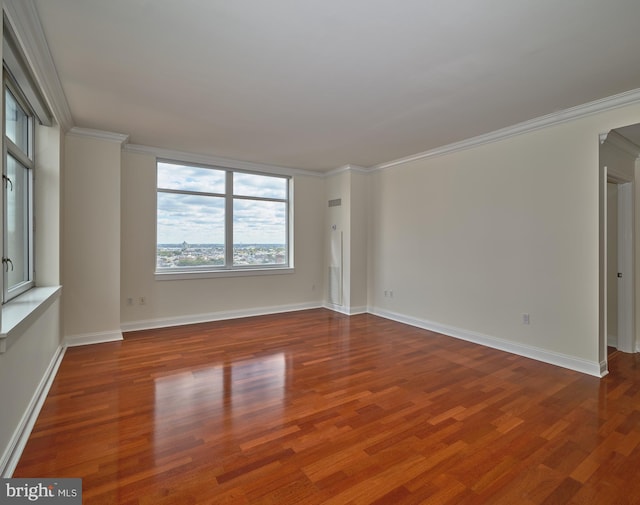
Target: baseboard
<point x="565" y="361"/>
<point x="612" y="341"/>
<point x="20" y="436"/>
<point x="166" y="322"/>
<point x="92" y="338"/>
<point x="604" y="368"/>
<point x="349" y="311"/>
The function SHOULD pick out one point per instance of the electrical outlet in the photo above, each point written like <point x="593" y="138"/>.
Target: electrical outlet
<point x="129" y="301"/>
<point x="525" y="318"/>
<point x="142" y="300"/>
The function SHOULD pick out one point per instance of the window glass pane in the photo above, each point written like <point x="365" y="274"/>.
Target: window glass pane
<point x="181" y="177"/>
<point x="259" y="185"/>
<point x="17" y="233"/>
<point x="16" y="122"/>
<point x="259" y="232"/>
<point x="190" y="230"/>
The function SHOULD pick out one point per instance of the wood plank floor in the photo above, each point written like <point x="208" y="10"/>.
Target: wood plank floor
<point x="320" y="408"/>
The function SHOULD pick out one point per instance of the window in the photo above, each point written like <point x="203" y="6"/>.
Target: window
<point x="17" y="178"/>
<point x="24" y="104"/>
<point x="218" y="219"/>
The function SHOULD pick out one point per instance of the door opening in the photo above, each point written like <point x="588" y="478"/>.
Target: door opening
<point x="619" y="161"/>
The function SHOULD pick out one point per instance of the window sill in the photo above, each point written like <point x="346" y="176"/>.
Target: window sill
<point x="23" y="311"/>
<point x="210" y="274"/>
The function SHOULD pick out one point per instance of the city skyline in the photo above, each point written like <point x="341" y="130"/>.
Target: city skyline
<point x="181" y="255"/>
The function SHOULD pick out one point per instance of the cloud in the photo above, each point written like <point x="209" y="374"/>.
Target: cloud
<point x="259" y="185"/>
<point x="190" y="218"/>
<point x="185" y="178"/>
<point x="199" y="219"/>
<point x="257" y="222"/>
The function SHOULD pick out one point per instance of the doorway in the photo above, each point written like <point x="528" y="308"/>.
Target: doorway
<point x="618" y="162"/>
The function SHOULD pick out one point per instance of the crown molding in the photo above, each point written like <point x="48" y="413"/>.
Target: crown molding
<point x="205" y="159"/>
<point x="347" y="168"/>
<point x="621" y="142"/>
<point x="555" y="118"/>
<point x="119" y="138"/>
<point x="23" y="17"/>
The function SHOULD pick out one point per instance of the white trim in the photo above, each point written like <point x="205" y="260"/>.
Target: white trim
<point x="337" y="308"/>
<point x="348" y="311"/>
<point x="571" y="362"/>
<point x="603" y="136"/>
<point x="180" y="275"/>
<point x="92" y="338"/>
<point x="166" y="322"/>
<point x="556" y="118"/>
<point x="23" y="17"/>
<point x="205" y="159"/>
<point x="347" y="168"/>
<point x="621" y="142"/>
<point x="21" y="434"/>
<point x="604" y="368"/>
<point x="119" y="138"/>
<point x="23" y="310"/>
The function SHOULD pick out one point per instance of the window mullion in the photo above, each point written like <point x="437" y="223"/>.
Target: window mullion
<point x="188" y="192"/>
<point x="260" y="198"/>
<point x="228" y="220"/>
<point x="18" y="154"/>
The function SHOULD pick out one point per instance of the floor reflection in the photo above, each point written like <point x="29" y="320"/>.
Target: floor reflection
<point x="210" y="402"/>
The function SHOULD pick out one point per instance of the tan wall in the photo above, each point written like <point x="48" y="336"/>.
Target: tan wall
<point x="176" y="301"/>
<point x="91" y="237"/>
<point x="472" y="240"/>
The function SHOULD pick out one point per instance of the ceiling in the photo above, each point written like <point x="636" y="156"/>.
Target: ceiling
<point x="318" y="84"/>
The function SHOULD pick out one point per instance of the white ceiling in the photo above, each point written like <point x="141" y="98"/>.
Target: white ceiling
<point x="318" y="84"/>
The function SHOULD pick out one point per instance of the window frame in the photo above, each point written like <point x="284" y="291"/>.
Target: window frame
<point x="229" y="268"/>
<point x="27" y="161"/>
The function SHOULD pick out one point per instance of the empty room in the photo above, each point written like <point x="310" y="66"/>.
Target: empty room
<point x="320" y="252"/>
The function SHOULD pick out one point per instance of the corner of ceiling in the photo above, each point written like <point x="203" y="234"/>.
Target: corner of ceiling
<point x="24" y="19"/>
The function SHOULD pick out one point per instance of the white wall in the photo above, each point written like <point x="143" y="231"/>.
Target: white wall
<point x="358" y="240"/>
<point x="48" y="189"/>
<point x="184" y="301"/>
<point x="91" y="239"/>
<point x="471" y="240"/>
<point x="23" y="369"/>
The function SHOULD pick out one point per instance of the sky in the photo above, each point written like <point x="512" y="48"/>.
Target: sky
<point x="199" y="219"/>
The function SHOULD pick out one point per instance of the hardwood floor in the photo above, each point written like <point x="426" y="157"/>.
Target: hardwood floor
<point x="320" y="408"/>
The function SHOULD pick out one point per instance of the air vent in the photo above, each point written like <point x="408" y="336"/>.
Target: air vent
<point x="335" y="203"/>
